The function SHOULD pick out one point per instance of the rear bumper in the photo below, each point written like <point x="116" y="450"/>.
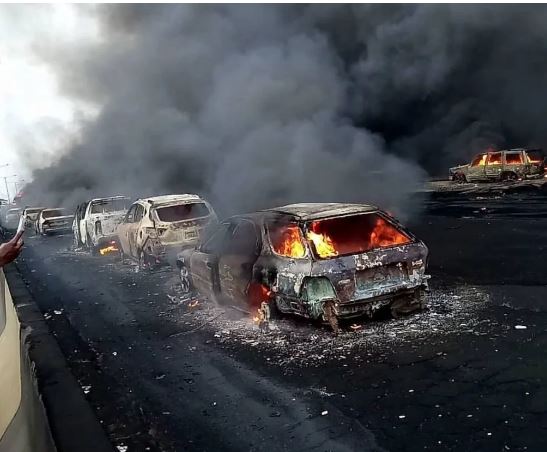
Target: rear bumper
<point x="368" y="306"/>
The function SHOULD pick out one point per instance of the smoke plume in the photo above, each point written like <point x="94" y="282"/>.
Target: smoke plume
<point x="256" y="106"/>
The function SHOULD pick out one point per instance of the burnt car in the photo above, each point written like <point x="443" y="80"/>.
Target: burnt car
<point x="51" y="221"/>
<point x="507" y="165"/>
<point x="156" y="229"/>
<point x="324" y="261"/>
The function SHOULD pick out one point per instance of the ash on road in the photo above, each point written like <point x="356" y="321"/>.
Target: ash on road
<point x="165" y="373"/>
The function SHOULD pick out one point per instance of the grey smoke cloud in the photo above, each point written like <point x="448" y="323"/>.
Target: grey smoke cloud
<point x="257" y="105"/>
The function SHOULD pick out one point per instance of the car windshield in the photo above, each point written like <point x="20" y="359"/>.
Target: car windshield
<point x="110" y="205"/>
<point x="182" y="212"/>
<point x="352" y="234"/>
<point x="33" y="210"/>
<point x="53" y="213"/>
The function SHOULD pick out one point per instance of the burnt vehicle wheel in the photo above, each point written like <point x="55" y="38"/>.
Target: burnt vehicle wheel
<point x="509" y="176"/>
<point x="185" y="281"/>
<point x="329" y="314"/>
<point x="460" y="178"/>
<point x="144" y="261"/>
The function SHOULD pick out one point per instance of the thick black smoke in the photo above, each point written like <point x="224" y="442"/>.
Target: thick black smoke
<point x="254" y="106"/>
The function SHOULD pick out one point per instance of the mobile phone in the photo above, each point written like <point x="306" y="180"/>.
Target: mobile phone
<point x="21" y="226"/>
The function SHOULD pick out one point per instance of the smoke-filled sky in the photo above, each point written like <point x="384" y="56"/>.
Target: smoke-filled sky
<point x="259" y="105"/>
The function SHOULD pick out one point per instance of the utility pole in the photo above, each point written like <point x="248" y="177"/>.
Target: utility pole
<point x="6" y="181"/>
<point x="6" y="184"/>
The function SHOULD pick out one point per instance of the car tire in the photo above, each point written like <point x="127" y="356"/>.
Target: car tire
<point x="143" y="261"/>
<point x="460" y="178"/>
<point x="185" y="280"/>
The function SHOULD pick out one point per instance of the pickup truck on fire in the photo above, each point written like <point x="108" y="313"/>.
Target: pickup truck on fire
<point x="95" y="221"/>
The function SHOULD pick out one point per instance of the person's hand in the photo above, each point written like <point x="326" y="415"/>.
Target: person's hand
<point x="10" y="250"/>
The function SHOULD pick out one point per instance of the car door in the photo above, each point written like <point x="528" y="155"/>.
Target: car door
<point x="124" y="228"/>
<point x="84" y="213"/>
<point x="137" y="237"/>
<point x="235" y="266"/>
<point x="513" y="162"/>
<point x="494" y="165"/>
<point x="476" y="169"/>
<point x="204" y="261"/>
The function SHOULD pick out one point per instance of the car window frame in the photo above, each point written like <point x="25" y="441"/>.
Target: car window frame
<point x="258" y="235"/>
<point x="130" y="214"/>
<point x="229" y="230"/>
<point x="519" y="153"/>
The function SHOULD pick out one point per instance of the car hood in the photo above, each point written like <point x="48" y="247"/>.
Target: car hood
<point x="64" y="217"/>
<point x="455" y="168"/>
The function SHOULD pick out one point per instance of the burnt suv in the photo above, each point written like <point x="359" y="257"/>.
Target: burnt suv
<point x="320" y="261"/>
<point x="507" y="165"/>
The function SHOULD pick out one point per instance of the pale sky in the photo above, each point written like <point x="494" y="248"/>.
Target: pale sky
<point x="32" y="107"/>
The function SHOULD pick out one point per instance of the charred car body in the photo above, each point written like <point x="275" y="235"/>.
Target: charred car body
<point x="50" y="221"/>
<point x="320" y="261"/>
<point x="511" y="164"/>
<point x="96" y="221"/>
<point x="30" y="215"/>
<point x="156" y="229"/>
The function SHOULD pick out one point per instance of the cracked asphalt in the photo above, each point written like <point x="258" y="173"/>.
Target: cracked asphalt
<point x="467" y="374"/>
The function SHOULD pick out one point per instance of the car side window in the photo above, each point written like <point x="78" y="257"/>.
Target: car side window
<point x="244" y="240"/>
<point x="494" y="158"/>
<point x="139" y="212"/>
<point x="218" y="240"/>
<point x="479" y="160"/>
<point x="129" y="218"/>
<point x="513" y="158"/>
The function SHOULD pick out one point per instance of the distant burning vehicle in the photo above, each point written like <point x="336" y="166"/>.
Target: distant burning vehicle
<point x="52" y="220"/>
<point x="319" y="261"/>
<point x="156" y="228"/>
<point x="95" y="223"/>
<point x="511" y="164"/>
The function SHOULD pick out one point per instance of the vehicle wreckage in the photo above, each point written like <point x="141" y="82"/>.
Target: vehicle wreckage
<point x="95" y="223"/>
<point x="322" y="261"/>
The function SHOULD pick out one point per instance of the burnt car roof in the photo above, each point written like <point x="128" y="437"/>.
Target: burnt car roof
<point x="313" y="211"/>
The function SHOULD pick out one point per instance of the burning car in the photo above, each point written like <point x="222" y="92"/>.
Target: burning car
<point x="95" y="222"/>
<point x="507" y="165"/>
<point x="319" y="261"/>
<point x="52" y="220"/>
<point x="157" y="228"/>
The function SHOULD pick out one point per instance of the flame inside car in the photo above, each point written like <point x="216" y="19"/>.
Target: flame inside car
<point x="289" y="242"/>
<point x="353" y="234"/>
<point x="322" y="242"/>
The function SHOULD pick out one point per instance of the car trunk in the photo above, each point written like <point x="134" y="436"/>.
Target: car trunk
<point x="181" y="223"/>
<point x="365" y="256"/>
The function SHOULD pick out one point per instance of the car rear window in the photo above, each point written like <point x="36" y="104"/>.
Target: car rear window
<point x="181" y="212"/>
<point x="352" y="234"/>
<point x="53" y="213"/>
<point x="109" y="205"/>
<point x="286" y="239"/>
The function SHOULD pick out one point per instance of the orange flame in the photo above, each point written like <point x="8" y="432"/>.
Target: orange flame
<point x="323" y="244"/>
<point x="386" y="235"/>
<point x="108" y="249"/>
<point x="193" y="304"/>
<point x="291" y="244"/>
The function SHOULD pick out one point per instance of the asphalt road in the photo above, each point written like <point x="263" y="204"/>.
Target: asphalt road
<point x="470" y="373"/>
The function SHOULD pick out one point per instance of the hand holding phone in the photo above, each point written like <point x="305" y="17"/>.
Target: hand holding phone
<point x="21" y="226"/>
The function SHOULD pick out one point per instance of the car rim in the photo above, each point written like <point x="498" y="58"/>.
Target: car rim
<point x="184" y="280"/>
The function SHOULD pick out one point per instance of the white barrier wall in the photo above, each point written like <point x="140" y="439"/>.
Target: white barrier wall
<point x="10" y="358"/>
<point x="23" y="423"/>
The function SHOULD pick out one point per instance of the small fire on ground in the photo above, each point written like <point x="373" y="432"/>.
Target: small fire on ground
<point x="111" y="248"/>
